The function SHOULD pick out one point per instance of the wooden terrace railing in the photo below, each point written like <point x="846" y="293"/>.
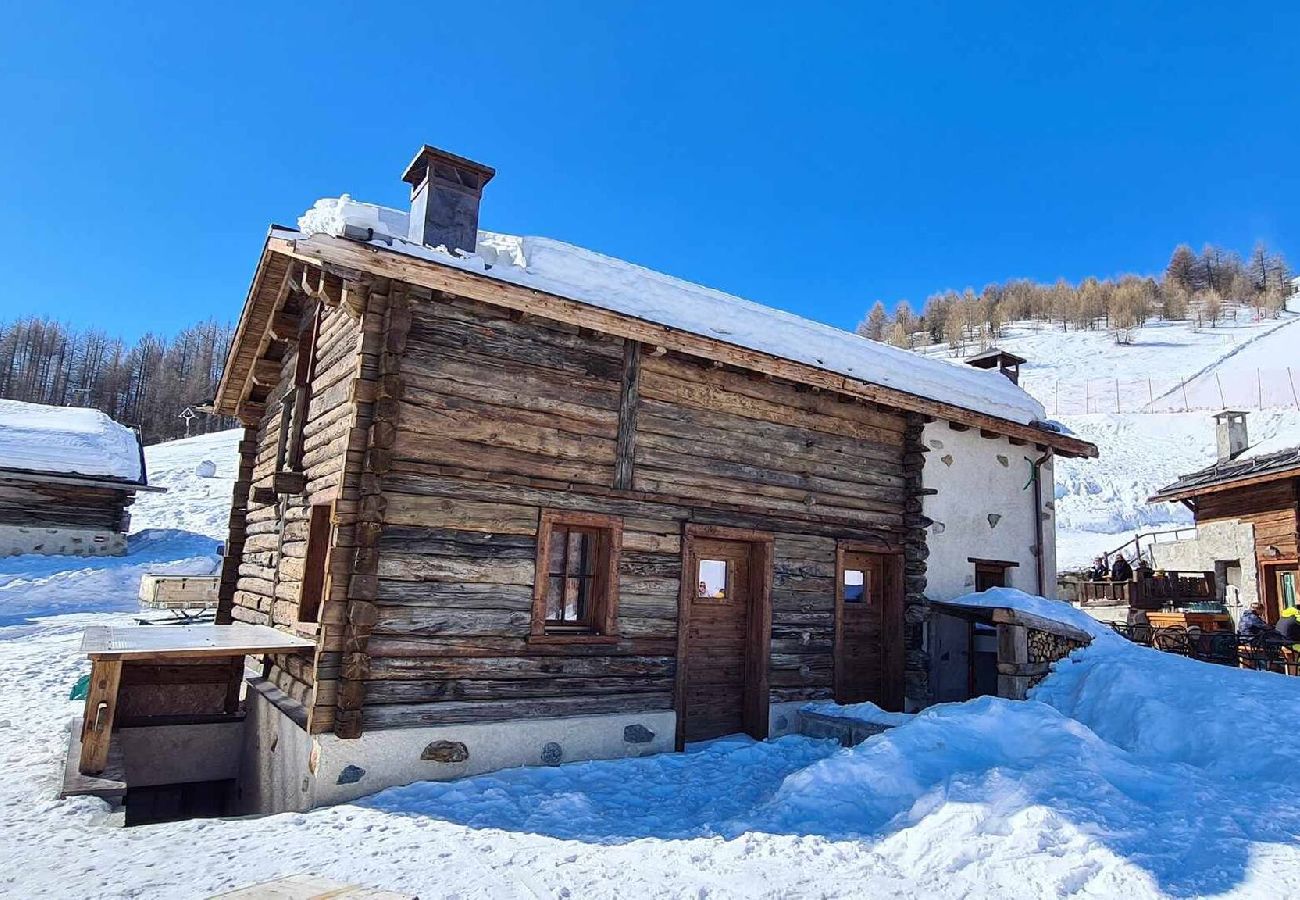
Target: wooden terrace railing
<point x="1160" y="591"/>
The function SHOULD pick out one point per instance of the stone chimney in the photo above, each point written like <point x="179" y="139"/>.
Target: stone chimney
<point x="445" y="194"/>
<point x="1230" y="434"/>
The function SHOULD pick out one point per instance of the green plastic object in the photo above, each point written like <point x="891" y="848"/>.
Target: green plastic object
<point x="80" y="689"/>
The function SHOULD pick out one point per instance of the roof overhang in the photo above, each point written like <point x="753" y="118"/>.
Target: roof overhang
<point x="74" y="480"/>
<point x="1173" y="494"/>
<point x="348" y="258"/>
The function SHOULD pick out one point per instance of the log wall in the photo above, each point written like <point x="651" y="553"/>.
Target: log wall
<point x="34" y="504"/>
<point x="502" y="416"/>
<point x="268" y="530"/>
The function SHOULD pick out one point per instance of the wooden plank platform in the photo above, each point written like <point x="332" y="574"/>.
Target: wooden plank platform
<point x="110" y="784"/>
<point x="187" y="641"/>
<point x="309" y="887"/>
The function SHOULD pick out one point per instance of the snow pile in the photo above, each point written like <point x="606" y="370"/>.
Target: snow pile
<point x="863" y="712"/>
<point x="1055" y="610"/>
<point x="559" y="268"/>
<point x="66" y="440"/>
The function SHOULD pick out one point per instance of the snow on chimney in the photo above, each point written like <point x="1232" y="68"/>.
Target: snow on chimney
<point x="1230" y="434"/>
<point x="445" y="194"/>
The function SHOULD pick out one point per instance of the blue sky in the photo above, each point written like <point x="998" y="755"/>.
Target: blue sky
<point x="813" y="157"/>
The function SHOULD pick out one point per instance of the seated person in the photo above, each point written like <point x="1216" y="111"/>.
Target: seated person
<point x="1144" y="569"/>
<point x="1120" y="570"/>
<point x="1098" y="572"/>
<point x="1288" y="625"/>
<point x="1251" y="624"/>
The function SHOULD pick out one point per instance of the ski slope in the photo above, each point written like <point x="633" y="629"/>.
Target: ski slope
<point x="1101" y="503"/>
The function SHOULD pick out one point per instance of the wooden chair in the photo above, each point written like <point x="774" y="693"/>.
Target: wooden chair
<point x="1172" y="639"/>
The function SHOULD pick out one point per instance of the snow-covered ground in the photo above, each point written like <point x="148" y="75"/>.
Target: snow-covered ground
<point x="1131" y="773"/>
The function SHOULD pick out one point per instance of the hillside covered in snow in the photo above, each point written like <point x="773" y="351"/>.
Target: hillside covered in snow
<point x="1148" y="406"/>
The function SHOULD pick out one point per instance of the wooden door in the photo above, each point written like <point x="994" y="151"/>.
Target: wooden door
<point x="860" y="600"/>
<point x="723" y="658"/>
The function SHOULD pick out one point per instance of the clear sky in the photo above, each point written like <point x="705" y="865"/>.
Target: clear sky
<point x="813" y="157"/>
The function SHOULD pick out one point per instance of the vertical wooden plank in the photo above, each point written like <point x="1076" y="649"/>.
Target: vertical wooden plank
<point x="625" y="445"/>
<point x="891" y="636"/>
<point x="837" y="646"/>
<point x="686" y="589"/>
<point x="235" y="684"/>
<point x="312" y="588"/>
<point x="759" y="656"/>
<point x="545" y="522"/>
<point x="101" y="707"/>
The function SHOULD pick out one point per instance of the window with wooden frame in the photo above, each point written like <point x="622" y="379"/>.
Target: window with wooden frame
<point x="315" y="574"/>
<point x="575" y="592"/>
<point x="991" y="573"/>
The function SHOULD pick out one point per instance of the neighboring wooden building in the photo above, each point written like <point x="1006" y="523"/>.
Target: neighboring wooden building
<point x="1247" y="511"/>
<point x="67" y="477"/>
<point x="565" y="508"/>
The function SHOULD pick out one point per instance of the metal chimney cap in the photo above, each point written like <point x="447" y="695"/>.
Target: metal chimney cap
<point x="418" y="170"/>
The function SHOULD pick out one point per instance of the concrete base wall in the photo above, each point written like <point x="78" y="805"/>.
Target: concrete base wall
<point x="283" y="769"/>
<point x="16" y="540"/>
<point x="784" y="718"/>
<point x="177" y="754"/>
<point x="1229" y="541"/>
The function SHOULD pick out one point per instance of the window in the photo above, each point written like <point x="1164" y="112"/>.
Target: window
<point x="991" y="573"/>
<point x="575" y="594"/>
<point x="856" y="584"/>
<point x="711" y="576"/>
<point x="315" y="580"/>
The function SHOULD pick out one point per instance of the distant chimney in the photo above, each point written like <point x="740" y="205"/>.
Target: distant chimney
<point x="1230" y="434"/>
<point x="445" y="194"/>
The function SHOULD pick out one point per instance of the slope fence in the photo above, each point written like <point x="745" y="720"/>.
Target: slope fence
<point x="1264" y="388"/>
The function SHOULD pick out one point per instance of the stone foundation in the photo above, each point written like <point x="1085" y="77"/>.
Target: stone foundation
<point x="16" y="540"/>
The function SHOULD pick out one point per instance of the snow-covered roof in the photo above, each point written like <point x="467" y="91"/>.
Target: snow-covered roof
<point x="566" y="270"/>
<point x="1246" y="466"/>
<point x="66" y="440"/>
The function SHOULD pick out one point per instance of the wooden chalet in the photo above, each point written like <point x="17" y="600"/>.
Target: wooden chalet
<point x="1259" y="495"/>
<point x="67" y="479"/>
<point x="521" y="524"/>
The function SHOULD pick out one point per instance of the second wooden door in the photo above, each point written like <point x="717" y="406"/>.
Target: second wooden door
<point x="718" y="643"/>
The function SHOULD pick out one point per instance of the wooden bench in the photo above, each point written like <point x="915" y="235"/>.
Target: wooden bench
<point x="153" y="675"/>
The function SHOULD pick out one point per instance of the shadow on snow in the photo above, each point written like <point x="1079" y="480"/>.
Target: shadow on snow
<point x="1020" y="765"/>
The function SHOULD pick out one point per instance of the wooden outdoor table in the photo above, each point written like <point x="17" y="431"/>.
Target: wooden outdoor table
<point x="111" y="648"/>
<point x="1206" y="621"/>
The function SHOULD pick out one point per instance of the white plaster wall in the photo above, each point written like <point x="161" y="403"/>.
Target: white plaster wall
<point x="1224" y="541"/>
<point x="977" y="478"/>
<point x="16" y="540"/>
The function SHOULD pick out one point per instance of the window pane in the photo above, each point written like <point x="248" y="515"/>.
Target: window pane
<point x="580" y="547"/>
<point x="559" y="544"/>
<point x="554" y="599"/>
<point x="576" y="596"/>
<point x="854" y="586"/>
<point x="712" y="578"/>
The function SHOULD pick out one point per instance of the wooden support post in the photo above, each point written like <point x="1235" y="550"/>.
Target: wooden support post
<point x="101" y="706"/>
<point x="235" y="685"/>
<point x="625" y="449"/>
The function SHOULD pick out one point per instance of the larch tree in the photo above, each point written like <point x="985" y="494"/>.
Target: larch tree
<point x="873" y="326"/>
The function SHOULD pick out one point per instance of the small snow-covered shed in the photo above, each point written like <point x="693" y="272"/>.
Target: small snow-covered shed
<point x="67" y="476"/>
